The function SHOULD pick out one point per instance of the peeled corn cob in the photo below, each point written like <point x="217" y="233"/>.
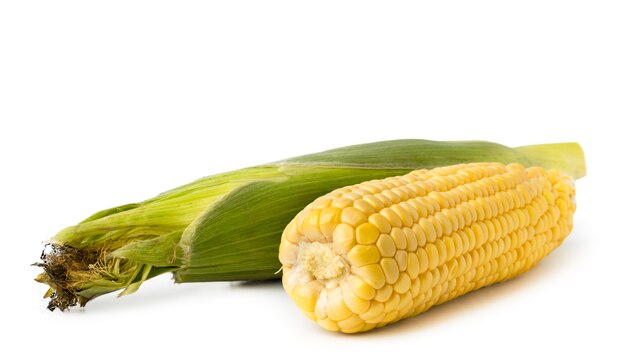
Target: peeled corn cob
<point x="371" y="254"/>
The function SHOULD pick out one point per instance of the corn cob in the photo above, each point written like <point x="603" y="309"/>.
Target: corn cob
<point x="228" y="226"/>
<point x="371" y="254"/>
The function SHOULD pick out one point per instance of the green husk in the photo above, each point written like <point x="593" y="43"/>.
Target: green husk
<point x="228" y="226"/>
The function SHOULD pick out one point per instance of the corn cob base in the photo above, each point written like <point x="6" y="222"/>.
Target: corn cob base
<point x="374" y="253"/>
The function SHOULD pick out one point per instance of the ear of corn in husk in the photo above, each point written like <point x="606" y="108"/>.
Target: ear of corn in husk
<point x="228" y="226"/>
<point x="395" y="247"/>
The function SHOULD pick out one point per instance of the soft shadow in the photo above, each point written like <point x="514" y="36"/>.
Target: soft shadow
<point x="162" y="290"/>
<point x="153" y="294"/>
<point x="257" y="283"/>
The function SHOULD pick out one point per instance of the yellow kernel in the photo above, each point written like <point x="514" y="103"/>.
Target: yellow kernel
<point x="507" y="221"/>
<point x="399" y="238"/>
<point x="398" y="190"/>
<point x="329" y="218"/>
<point x="468" y="213"/>
<point x="381" y="223"/>
<point x="375" y="313"/>
<point x="361" y="191"/>
<point x="526" y="194"/>
<point x="478" y="208"/>
<point x="437" y="225"/>
<point x="422" y="257"/>
<point x="426" y="280"/>
<point x="420" y="209"/>
<point x="465" y="192"/>
<point x="443" y="271"/>
<point x="361" y="288"/>
<point x="449" y="244"/>
<point x="354" y="303"/>
<point x="415" y="287"/>
<point x="456" y="197"/>
<point x="516" y="196"/>
<point x="361" y="255"/>
<point x="366" y="233"/>
<point x="384" y="293"/>
<point x="453" y="216"/>
<point x="412" y="265"/>
<point x="471" y="237"/>
<point x="501" y="225"/>
<point x="291" y="233"/>
<point x="465" y="239"/>
<point x="491" y="231"/>
<point x="411" y="239"/>
<point x="410" y="193"/>
<point x="339" y="192"/>
<point x="413" y="186"/>
<point x="403" y="284"/>
<point x="374" y="202"/>
<point x="562" y="206"/>
<point x="322" y="305"/>
<point x="458" y="244"/>
<point x="341" y="202"/>
<point x="453" y="268"/>
<point x="386" y="246"/>
<point x="288" y="252"/>
<point x="405" y="217"/>
<point x="411" y="211"/>
<point x="391" y="195"/>
<point x="384" y="199"/>
<point x="392" y="303"/>
<point x="390" y="268"/>
<point x="353" y="216"/>
<point x="488" y="249"/>
<point x="499" y="204"/>
<point x="328" y="324"/>
<point x="426" y="203"/>
<point x="462" y="266"/>
<point x="372" y="274"/>
<point x="334" y="305"/>
<point x="507" y="199"/>
<point x="370" y="187"/>
<point x="306" y="295"/>
<point x="440" y="198"/>
<point x="441" y="251"/>
<point x="401" y="259"/>
<point x="364" y="207"/>
<point x="480" y="232"/>
<point x="485" y="206"/>
<point x="433" y="256"/>
<point x="392" y="217"/>
<point x="420" y="235"/>
<point x="351" y="325"/>
<point x="352" y="195"/>
<point x="429" y="230"/>
<point x="436" y="276"/>
<point x="406" y="301"/>
<point x="368" y="326"/>
<point x="475" y="257"/>
<point x="435" y="294"/>
<point x="344" y="238"/>
<point x="444" y="222"/>
<point x="390" y="317"/>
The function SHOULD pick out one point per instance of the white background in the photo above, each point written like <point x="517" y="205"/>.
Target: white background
<point x="104" y="103"/>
